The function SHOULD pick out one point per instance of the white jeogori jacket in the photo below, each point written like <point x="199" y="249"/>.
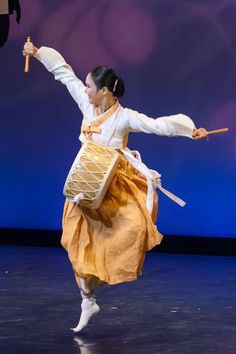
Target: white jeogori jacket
<point x="120" y="123"/>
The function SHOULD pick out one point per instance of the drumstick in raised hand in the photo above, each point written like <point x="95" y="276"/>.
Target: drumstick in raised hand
<point x="27" y="57"/>
<point x="217" y="131"/>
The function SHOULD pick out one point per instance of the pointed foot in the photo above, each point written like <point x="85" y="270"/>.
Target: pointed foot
<point x="86" y="316"/>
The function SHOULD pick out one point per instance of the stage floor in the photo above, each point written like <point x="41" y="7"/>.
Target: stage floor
<point x="182" y="304"/>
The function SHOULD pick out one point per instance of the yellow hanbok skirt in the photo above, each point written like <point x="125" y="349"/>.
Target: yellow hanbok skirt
<point x="109" y="243"/>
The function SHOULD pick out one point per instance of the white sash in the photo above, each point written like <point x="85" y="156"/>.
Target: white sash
<point x="153" y="179"/>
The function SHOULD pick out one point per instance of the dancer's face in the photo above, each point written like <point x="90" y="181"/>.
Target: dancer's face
<point x="95" y="96"/>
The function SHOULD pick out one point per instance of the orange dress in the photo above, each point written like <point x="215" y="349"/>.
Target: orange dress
<point x="109" y="243"/>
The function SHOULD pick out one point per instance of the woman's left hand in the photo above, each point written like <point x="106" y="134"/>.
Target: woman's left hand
<point x="200" y="133"/>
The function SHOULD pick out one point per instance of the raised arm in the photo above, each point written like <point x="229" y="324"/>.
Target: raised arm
<point x="175" y="125"/>
<point x="55" y="63"/>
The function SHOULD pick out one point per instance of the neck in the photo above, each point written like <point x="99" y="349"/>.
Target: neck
<point x="107" y="104"/>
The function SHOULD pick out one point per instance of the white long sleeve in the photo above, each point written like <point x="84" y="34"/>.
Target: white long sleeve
<point x="175" y="125"/>
<point x="130" y="120"/>
<point x="55" y="63"/>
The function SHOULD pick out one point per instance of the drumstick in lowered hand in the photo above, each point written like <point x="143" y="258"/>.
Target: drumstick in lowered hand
<point x="223" y="130"/>
<point x="27" y="57"/>
<point x="203" y="133"/>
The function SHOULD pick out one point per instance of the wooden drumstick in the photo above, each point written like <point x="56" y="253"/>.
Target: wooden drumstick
<point x="27" y="57"/>
<point x="217" y="131"/>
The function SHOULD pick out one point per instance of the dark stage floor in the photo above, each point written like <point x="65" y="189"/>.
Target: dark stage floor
<point x="182" y="304"/>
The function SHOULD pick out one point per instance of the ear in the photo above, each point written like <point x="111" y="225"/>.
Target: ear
<point x="105" y="90"/>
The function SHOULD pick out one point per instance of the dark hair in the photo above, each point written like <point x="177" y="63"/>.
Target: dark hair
<point x="104" y="76"/>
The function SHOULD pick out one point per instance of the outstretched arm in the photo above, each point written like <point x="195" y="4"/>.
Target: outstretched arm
<point x="175" y="125"/>
<point x="55" y="63"/>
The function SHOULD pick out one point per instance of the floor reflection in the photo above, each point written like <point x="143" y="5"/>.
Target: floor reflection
<point x="85" y="346"/>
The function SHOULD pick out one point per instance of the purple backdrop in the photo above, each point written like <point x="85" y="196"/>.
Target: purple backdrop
<point x="175" y="57"/>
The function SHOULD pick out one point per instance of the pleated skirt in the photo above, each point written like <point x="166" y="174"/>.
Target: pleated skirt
<point x="109" y="243"/>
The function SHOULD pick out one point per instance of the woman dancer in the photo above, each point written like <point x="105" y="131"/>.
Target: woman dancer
<point x="108" y="245"/>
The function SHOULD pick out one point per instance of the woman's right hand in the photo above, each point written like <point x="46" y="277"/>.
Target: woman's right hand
<point x="29" y="49"/>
